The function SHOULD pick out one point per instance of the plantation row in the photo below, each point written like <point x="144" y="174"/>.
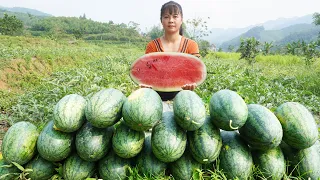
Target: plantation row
<point x="107" y="133"/>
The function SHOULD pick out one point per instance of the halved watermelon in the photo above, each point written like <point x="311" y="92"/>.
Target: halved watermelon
<point x="168" y="71"/>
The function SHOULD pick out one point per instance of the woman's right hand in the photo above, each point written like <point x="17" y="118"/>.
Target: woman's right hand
<point x="145" y="86"/>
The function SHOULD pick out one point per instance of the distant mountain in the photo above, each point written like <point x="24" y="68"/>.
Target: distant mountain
<point x="25" y="10"/>
<point x="306" y="32"/>
<point x="286" y="22"/>
<point x="220" y="35"/>
<point x="226" y="36"/>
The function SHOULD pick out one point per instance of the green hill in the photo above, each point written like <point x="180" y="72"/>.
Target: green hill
<point x="25" y="11"/>
<point x="306" y="32"/>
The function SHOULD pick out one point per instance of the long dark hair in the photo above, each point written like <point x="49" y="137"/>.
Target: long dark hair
<point x="172" y="7"/>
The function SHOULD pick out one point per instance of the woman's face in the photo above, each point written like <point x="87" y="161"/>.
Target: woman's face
<point x="171" y="22"/>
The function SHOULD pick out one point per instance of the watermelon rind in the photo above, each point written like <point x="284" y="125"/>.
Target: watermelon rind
<point x="127" y="143"/>
<point x="175" y="56"/>
<point x="235" y="159"/>
<point x="54" y="145"/>
<point x="300" y="130"/>
<point x="69" y="113"/>
<point x="262" y="129"/>
<point x="76" y="168"/>
<point x="228" y="110"/>
<point x="142" y="109"/>
<point x="113" y="167"/>
<point x="205" y="143"/>
<point x="41" y="169"/>
<point x="19" y="143"/>
<point x="147" y="163"/>
<point x="104" y="108"/>
<point x="270" y="163"/>
<point x="168" y="139"/>
<point x="93" y="143"/>
<point x="185" y="167"/>
<point x="189" y="110"/>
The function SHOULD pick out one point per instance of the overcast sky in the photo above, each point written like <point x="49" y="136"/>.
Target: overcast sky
<point x="222" y="13"/>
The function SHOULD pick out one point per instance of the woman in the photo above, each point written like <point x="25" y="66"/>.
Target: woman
<point x="171" y="18"/>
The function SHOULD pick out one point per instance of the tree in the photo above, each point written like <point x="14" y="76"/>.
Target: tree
<point x="10" y="25"/>
<point x="83" y="17"/>
<point x="292" y="48"/>
<point x="266" y="47"/>
<point x="316" y="18"/>
<point x="197" y="28"/>
<point x="155" y="32"/>
<point x="249" y="49"/>
<point x="230" y="48"/>
<point x="204" y="47"/>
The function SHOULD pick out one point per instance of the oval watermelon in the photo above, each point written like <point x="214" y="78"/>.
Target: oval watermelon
<point x="168" y="71"/>
<point x="271" y="163"/>
<point x="76" y="168"/>
<point x="300" y="130"/>
<point x="142" y="109"/>
<point x="147" y="163"/>
<point x="8" y="171"/>
<point x="19" y="143"/>
<point x="168" y="139"/>
<point x="113" y="167"/>
<point x="104" y="108"/>
<point x="262" y="129"/>
<point x="205" y="143"/>
<point x="185" y="167"/>
<point x="189" y="110"/>
<point x="303" y="163"/>
<point x="228" y="110"/>
<point x="54" y="145"/>
<point x="126" y="142"/>
<point x="235" y="156"/>
<point x="68" y="114"/>
<point x="93" y="143"/>
<point x="41" y="169"/>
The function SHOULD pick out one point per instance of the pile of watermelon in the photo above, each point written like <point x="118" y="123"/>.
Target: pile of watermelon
<point x="108" y="133"/>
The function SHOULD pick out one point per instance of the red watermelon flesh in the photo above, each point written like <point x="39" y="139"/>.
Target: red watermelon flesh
<point x="168" y="71"/>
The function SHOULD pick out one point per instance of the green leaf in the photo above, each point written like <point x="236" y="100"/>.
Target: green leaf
<point x="18" y="166"/>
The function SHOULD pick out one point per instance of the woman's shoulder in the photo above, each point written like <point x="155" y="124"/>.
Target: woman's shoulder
<point x="190" y="41"/>
<point x="153" y="46"/>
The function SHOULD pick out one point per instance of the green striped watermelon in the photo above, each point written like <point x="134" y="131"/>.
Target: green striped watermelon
<point x="8" y="171"/>
<point x="41" y="169"/>
<point x="113" y="167"/>
<point x="300" y="130"/>
<point x="19" y="143"/>
<point x="304" y="163"/>
<point x="189" y="110"/>
<point x="68" y="114"/>
<point x="271" y="163"/>
<point x="262" y="129"/>
<point x="205" y="143"/>
<point x="127" y="142"/>
<point x="185" y="167"/>
<point x="142" y="109"/>
<point x="235" y="157"/>
<point x="104" y="108"/>
<point x="93" y="143"/>
<point x="75" y="168"/>
<point x="228" y="110"/>
<point x="168" y="139"/>
<point x="147" y="163"/>
<point x="54" y="145"/>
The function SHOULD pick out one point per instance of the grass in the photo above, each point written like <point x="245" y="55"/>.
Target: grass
<point x="39" y="72"/>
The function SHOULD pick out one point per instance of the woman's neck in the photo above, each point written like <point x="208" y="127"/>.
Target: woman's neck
<point x="171" y="38"/>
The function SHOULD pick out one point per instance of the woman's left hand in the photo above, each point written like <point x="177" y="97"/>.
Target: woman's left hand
<point x="189" y="86"/>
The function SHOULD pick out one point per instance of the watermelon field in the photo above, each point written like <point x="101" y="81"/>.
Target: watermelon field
<point x="37" y="73"/>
